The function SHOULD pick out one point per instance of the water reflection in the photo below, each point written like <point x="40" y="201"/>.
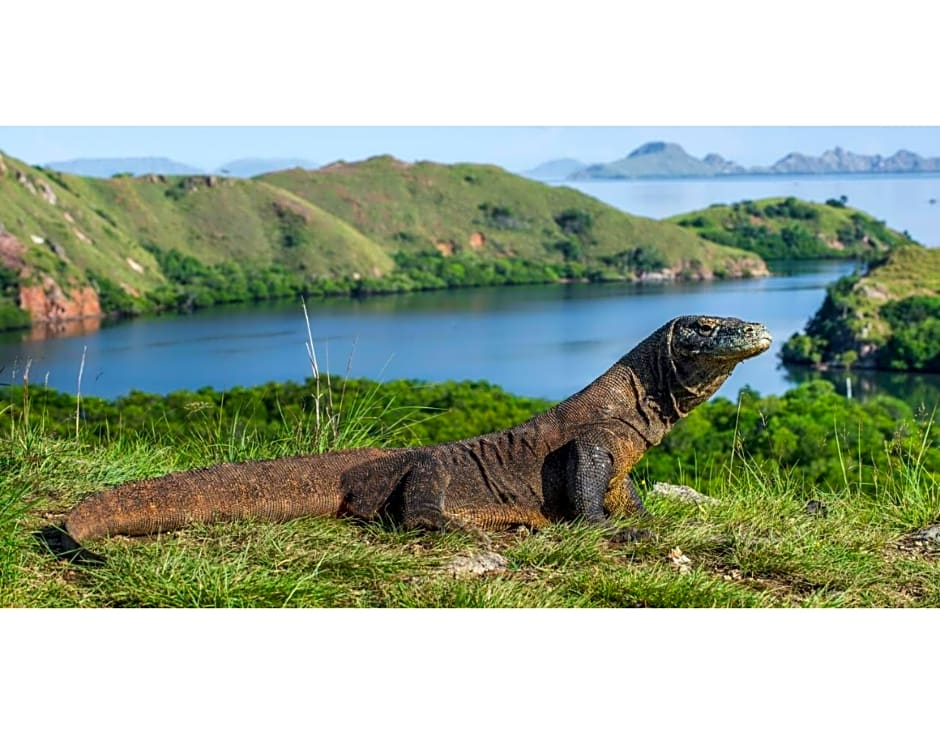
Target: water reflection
<point x="920" y="391"/>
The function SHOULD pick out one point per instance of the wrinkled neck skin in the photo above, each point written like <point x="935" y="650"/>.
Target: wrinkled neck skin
<point x="648" y="389"/>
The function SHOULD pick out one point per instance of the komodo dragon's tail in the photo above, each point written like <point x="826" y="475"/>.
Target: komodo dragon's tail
<point x="275" y="490"/>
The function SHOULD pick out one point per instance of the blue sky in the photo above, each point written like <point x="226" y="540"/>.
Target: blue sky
<point x="515" y="148"/>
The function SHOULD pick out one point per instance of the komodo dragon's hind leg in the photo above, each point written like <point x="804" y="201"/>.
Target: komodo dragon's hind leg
<point x="423" y="494"/>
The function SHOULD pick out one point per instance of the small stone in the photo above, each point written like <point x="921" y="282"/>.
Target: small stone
<point x="930" y="534"/>
<point x="681" y="561"/>
<point x="815" y="508"/>
<point x="682" y="493"/>
<point x="477" y="564"/>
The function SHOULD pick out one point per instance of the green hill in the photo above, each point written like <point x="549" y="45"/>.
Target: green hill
<point x="781" y="228"/>
<point x="887" y="319"/>
<point x="478" y="208"/>
<point x="72" y="246"/>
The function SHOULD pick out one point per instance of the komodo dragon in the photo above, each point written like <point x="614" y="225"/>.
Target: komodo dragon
<point x="568" y="462"/>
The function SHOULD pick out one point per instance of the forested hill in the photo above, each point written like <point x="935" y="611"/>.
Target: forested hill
<point x="788" y="228"/>
<point x="888" y="319"/>
<point x="72" y="246"/>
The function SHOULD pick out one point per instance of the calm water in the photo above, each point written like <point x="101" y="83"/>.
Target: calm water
<point x="546" y="341"/>
<point x="903" y="202"/>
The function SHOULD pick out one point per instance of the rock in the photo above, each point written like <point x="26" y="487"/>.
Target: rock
<point x="48" y="303"/>
<point x="815" y="508"/>
<point x="680" y="560"/>
<point x="682" y="493"/>
<point x="81" y="235"/>
<point x="925" y="541"/>
<point x="45" y="190"/>
<point x="23" y="180"/>
<point x="930" y="534"/>
<point x="476" y="564"/>
<point x="57" y="250"/>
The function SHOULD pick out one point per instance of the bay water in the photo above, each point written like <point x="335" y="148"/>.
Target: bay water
<point x="544" y="341"/>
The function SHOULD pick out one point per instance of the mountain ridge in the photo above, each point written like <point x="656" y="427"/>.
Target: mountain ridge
<point x="659" y="159"/>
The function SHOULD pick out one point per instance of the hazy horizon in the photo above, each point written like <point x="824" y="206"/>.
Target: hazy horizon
<point x="515" y="148"/>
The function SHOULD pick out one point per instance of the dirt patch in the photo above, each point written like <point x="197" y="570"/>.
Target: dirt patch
<point x="445" y="248"/>
<point x="11" y="252"/>
<point x="477" y="241"/>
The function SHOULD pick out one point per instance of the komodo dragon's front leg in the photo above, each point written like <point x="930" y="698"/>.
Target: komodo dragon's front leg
<point x="590" y="470"/>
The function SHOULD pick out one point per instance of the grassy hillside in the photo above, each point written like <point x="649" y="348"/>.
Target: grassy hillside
<point x="219" y="219"/>
<point x="143" y="243"/>
<point x="770" y="536"/>
<point x="888" y="318"/>
<point x="781" y="228"/>
<point x="486" y="210"/>
<point x="64" y="232"/>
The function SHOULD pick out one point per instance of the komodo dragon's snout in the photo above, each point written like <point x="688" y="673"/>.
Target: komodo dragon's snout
<point x="718" y="339"/>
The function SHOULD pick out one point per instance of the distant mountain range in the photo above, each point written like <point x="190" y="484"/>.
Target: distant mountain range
<point x="651" y="160"/>
<point x="556" y="169"/>
<point x="670" y="160"/>
<point x="108" y="167"/>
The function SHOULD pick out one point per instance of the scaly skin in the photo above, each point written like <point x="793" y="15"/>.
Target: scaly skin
<point x="571" y="461"/>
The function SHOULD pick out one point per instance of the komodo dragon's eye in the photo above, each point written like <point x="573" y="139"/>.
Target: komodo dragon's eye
<point x="706" y="328"/>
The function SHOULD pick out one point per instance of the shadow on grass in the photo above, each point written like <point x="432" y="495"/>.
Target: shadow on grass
<point x="63" y="547"/>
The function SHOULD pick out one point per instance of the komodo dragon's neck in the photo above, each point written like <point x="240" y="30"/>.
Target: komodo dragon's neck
<point x="644" y="393"/>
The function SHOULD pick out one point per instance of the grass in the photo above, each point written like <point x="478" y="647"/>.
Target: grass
<point x="757" y="546"/>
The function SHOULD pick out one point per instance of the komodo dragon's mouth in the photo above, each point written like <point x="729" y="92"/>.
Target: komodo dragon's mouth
<point x="761" y="344"/>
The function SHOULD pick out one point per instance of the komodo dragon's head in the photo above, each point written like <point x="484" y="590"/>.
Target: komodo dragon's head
<point x="702" y="352"/>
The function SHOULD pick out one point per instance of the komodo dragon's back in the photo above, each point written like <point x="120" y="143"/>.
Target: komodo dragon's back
<point x="570" y="461"/>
